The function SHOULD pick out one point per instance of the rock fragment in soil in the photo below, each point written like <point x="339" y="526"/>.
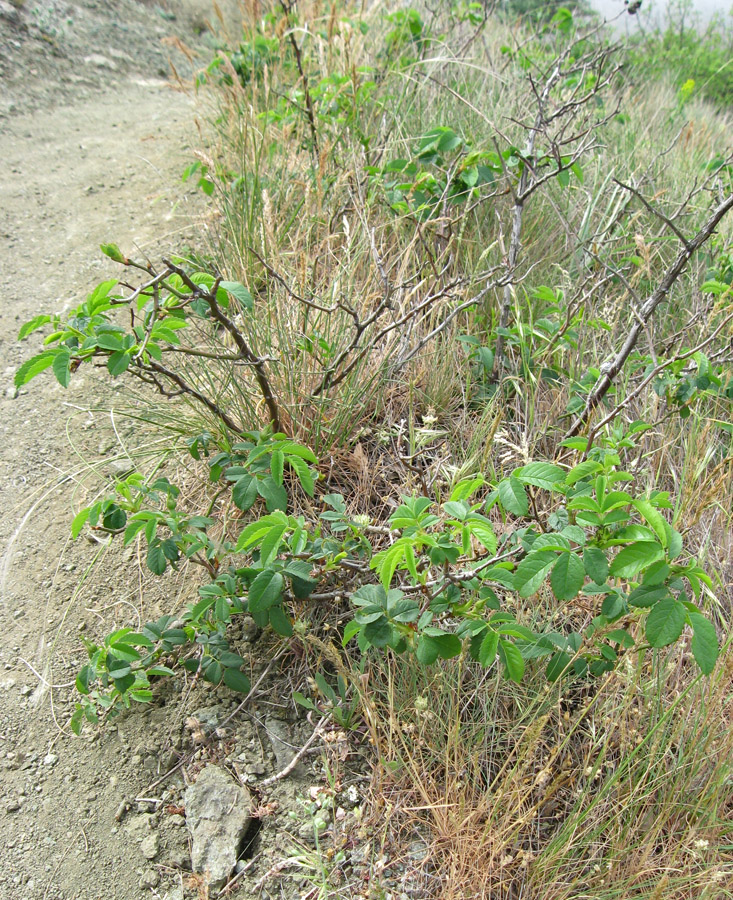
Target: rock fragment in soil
<point x="217" y="815"/>
<point x="281" y="738"/>
<point x="149" y="880"/>
<point x="150" y="846"/>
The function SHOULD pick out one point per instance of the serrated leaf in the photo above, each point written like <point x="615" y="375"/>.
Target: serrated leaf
<point x="457" y="509"/>
<point x="236" y="681"/>
<point x="78" y="523"/>
<point x="350" y="629"/>
<point x="76" y="720"/>
<point x="404" y="610"/>
<point x="654" y="519"/>
<point x="113" y="252"/>
<point x="532" y="571"/>
<point x="447" y="645"/>
<point x="595" y="564"/>
<point x="239" y="292"/>
<point x="582" y="471"/>
<point x="280" y="622"/>
<point x="32" y="367"/>
<point x="119" y="362"/>
<point x="426" y="650"/>
<point x="378" y="633"/>
<point x="302" y="470"/>
<point x="568" y="576"/>
<point x="665" y="622"/>
<point x="274" y="495"/>
<point x="620" y="636"/>
<point x="647" y="595"/>
<point x="512" y="660"/>
<point x="674" y="542"/>
<point x="488" y="648"/>
<point x="466" y="488"/>
<point x="244" y="492"/>
<point x="85" y="676"/>
<point x="636" y="557"/>
<point x="540" y="474"/>
<point x="482" y="531"/>
<point x="160" y="671"/>
<point x="557" y="665"/>
<point x="214" y="671"/>
<point x="271" y="544"/>
<point x="33" y="325"/>
<point x="156" y="559"/>
<point x="277" y="464"/>
<point x="369" y="594"/>
<point x="265" y="590"/>
<point x="704" y="642"/>
<point x="513" y="496"/>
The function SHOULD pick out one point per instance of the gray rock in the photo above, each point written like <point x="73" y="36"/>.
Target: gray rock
<point x="149" y="880"/>
<point x="250" y="629"/>
<point x="9" y="12"/>
<point x="139" y="827"/>
<point x="209" y="716"/>
<point x="217" y="815"/>
<point x="178" y="858"/>
<point x="101" y="62"/>
<point x="150" y="846"/>
<point x="281" y="738"/>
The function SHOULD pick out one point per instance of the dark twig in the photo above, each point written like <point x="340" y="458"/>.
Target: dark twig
<point x="611" y="369"/>
<point x="257" y="362"/>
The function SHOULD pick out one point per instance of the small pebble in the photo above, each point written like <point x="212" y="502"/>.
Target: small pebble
<point x="150" y="846"/>
<point x="149" y="880"/>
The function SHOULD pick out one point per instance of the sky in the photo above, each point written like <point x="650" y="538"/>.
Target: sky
<point x="706" y="8"/>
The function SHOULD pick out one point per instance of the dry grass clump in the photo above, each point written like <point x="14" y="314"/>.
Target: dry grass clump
<point x="571" y="791"/>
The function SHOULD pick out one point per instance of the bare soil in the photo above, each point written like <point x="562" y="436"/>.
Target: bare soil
<point x="94" y="134"/>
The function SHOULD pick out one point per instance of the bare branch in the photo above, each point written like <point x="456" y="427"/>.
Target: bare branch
<point x="610" y="370"/>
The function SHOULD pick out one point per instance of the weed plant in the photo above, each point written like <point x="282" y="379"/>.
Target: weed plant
<point x="454" y="370"/>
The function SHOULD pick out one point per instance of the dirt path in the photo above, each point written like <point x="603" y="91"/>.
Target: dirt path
<point x="75" y="172"/>
<point x="93" y="141"/>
